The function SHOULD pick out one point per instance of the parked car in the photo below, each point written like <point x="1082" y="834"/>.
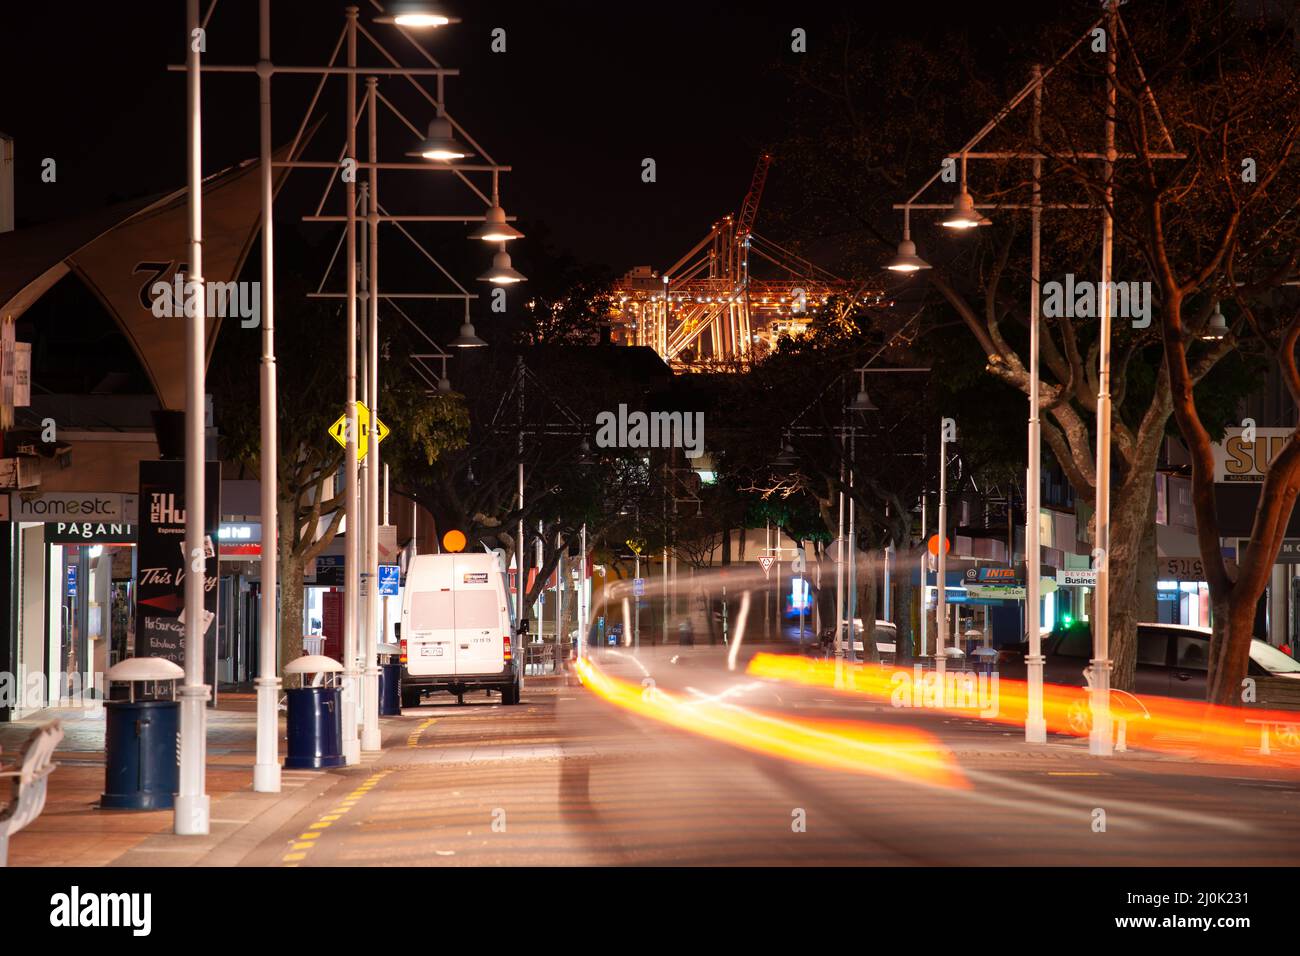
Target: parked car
<point x="886" y="634"/>
<point x="457" y="622"/>
<point x="1172" y="659"/>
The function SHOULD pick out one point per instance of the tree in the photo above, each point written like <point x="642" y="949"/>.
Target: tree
<point x="1222" y="226"/>
<point x="881" y="113"/>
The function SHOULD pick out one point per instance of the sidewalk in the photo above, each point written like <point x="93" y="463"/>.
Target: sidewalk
<point x="73" y="830"/>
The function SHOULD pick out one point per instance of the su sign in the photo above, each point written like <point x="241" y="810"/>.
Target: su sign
<point x="1239" y="461"/>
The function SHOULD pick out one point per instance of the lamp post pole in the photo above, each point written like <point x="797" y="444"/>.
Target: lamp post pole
<point x="266" y="770"/>
<point x="1099" y="739"/>
<point x="941" y="585"/>
<point x="370" y="739"/>
<point x="351" y="562"/>
<point x="1035" y="725"/>
<point x="192" y="803"/>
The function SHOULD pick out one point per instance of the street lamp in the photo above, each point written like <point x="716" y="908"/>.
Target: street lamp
<point x="964" y="215"/>
<point x="441" y="145"/>
<point x="1217" y="329"/>
<point x="416" y="14"/>
<point x="502" y="273"/>
<point x="495" y="228"/>
<point x="907" y="260"/>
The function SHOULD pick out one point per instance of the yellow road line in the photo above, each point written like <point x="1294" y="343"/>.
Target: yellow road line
<point x="308" y="839"/>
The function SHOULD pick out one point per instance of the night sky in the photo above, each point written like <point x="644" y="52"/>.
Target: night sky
<point x="584" y="92"/>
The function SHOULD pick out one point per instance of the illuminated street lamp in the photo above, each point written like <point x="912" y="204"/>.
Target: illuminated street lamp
<point x="907" y="260"/>
<point x="1217" y="329"/>
<point x="964" y="215"/>
<point x="416" y="14"/>
<point x="441" y="144"/>
<point x="495" y="228"/>
<point x="501" y="272"/>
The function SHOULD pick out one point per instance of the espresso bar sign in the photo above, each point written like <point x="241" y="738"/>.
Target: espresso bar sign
<point x="161" y="562"/>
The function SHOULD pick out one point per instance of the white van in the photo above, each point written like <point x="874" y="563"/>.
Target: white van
<point x="457" y="623"/>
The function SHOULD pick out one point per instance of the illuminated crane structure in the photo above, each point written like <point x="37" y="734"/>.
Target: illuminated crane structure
<point x="707" y="310"/>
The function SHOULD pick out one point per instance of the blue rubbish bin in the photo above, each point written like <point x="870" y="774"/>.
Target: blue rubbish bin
<point x="315" y="719"/>
<point x="141" y="736"/>
<point x="315" y="729"/>
<point x="390" y="690"/>
<point x="140" y="744"/>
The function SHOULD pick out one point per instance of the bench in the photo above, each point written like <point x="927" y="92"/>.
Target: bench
<point x="1276" y="693"/>
<point x="30" y="776"/>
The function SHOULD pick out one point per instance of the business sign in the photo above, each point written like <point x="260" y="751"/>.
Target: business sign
<point x="992" y="576"/>
<point x="1076" y="578"/>
<point x="995" y="592"/>
<point x="89" y="532"/>
<point x="54" y="506"/>
<point x="240" y="540"/>
<point x="161" y="562"/>
<point x="390" y="576"/>
<point x="1173" y="568"/>
<point x="1289" y="553"/>
<point x="1238" y="461"/>
<point x="329" y="570"/>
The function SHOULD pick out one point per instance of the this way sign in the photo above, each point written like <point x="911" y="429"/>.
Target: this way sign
<point x="340" y="430"/>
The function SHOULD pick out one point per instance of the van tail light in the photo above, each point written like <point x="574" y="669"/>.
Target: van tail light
<point x="505" y="652"/>
<point x="402" y="657"/>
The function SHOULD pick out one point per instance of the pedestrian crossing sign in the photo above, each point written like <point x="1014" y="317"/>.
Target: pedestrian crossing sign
<point x="339" y="430"/>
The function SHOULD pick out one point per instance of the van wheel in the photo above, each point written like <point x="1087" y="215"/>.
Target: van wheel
<point x="410" y="698"/>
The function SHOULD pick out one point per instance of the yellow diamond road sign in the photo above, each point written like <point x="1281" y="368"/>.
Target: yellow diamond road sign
<point x="340" y="430"/>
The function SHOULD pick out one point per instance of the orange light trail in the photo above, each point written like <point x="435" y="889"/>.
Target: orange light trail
<point x="896" y="753"/>
<point x="1154" y="723"/>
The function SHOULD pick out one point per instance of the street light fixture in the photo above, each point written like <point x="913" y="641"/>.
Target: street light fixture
<point x="907" y="260"/>
<point x="416" y="14"/>
<point x="501" y="272"/>
<point x="465" y="340"/>
<point x="1217" y="329"/>
<point x="495" y="228"/>
<point x="964" y="215"/>
<point x="441" y="144"/>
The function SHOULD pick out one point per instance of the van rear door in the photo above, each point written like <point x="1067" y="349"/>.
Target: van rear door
<point x="431" y="631"/>
<point x="480" y="611"/>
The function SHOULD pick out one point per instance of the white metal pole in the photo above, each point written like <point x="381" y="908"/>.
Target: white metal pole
<point x="351" y="557"/>
<point x="1035" y="725"/>
<point x="192" y="804"/>
<point x="889" y="553"/>
<point x="266" y="770"/>
<point x="851" y="572"/>
<point x="370" y="739"/>
<point x="559" y="594"/>
<point x="925" y="578"/>
<point x="1099" y="740"/>
<point x="839" y="566"/>
<point x="941" y="582"/>
<point x="582" y="592"/>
